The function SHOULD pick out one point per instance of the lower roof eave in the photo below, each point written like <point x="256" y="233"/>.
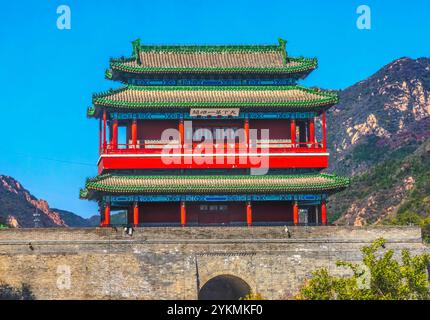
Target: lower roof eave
<point x="125" y="185"/>
<point x="100" y="196"/>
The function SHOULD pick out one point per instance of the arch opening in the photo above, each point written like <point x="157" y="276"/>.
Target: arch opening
<point x="224" y="287"/>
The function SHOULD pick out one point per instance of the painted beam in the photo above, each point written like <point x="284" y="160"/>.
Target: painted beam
<point x="302" y="197"/>
<point x="186" y="115"/>
<point x="211" y="82"/>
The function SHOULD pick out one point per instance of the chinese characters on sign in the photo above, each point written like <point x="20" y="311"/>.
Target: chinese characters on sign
<point x="229" y="112"/>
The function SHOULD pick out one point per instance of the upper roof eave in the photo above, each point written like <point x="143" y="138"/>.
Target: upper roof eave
<point x="320" y="99"/>
<point x="304" y="65"/>
<point x="273" y="59"/>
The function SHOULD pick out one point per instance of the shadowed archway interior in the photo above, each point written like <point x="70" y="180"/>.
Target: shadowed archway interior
<point x="224" y="287"/>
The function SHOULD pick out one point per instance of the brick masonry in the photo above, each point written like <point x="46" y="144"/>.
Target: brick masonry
<point x="173" y="263"/>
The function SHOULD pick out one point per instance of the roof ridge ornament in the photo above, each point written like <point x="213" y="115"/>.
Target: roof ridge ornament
<point x="108" y="74"/>
<point x="136" y="49"/>
<point x="282" y="45"/>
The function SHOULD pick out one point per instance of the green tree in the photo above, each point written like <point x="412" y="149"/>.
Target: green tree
<point x="3" y="224"/>
<point x="253" y="296"/>
<point x="379" y="277"/>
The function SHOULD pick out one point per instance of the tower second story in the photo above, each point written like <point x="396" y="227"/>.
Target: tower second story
<point x="203" y="107"/>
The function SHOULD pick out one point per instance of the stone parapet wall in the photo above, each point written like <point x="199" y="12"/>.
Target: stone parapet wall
<point x="174" y="263"/>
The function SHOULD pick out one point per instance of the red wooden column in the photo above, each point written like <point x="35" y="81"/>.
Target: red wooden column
<point x="183" y="213"/>
<point x="115" y="134"/>
<point x="324" y="133"/>
<point x="323" y="213"/>
<point x="104" y="129"/>
<point x="312" y="132"/>
<point x="100" y="136"/>
<point x="181" y="133"/>
<point x="249" y="213"/>
<point x="293" y="131"/>
<point x="295" y="213"/>
<point x="246" y="132"/>
<point x="134" y="133"/>
<point x="106" y="221"/>
<point x="135" y="213"/>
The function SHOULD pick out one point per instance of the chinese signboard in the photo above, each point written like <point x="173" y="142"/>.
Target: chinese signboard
<point x="212" y="112"/>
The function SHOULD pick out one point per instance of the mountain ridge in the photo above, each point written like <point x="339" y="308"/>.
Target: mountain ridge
<point x="387" y="107"/>
<point x="383" y="125"/>
<point x="20" y="209"/>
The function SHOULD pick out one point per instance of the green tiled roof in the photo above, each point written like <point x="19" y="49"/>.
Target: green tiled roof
<point x="133" y="97"/>
<point x="294" y="65"/>
<point x="212" y="59"/>
<point x="214" y="184"/>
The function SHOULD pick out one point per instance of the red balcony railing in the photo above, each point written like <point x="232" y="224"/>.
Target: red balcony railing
<point x="157" y="147"/>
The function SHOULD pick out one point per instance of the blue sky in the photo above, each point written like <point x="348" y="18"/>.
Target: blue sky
<point x="48" y="75"/>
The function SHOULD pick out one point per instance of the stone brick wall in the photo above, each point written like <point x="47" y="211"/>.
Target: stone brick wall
<point x="173" y="263"/>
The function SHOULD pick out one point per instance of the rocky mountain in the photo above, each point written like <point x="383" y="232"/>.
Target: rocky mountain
<point x="387" y="110"/>
<point x="393" y="189"/>
<point x="19" y="208"/>
<point x="73" y="220"/>
<point x="379" y="134"/>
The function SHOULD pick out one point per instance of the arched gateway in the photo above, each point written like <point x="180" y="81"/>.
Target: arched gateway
<point x="224" y="287"/>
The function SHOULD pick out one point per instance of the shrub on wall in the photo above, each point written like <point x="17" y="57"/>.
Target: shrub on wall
<point x="379" y="277"/>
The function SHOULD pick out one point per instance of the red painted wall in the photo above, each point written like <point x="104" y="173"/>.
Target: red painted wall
<point x="279" y="129"/>
<point x="237" y="211"/>
<point x="211" y="125"/>
<point x="153" y="212"/>
<point x="266" y="211"/>
<point x="169" y="212"/>
<point x="231" y="212"/>
<point x="152" y="129"/>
